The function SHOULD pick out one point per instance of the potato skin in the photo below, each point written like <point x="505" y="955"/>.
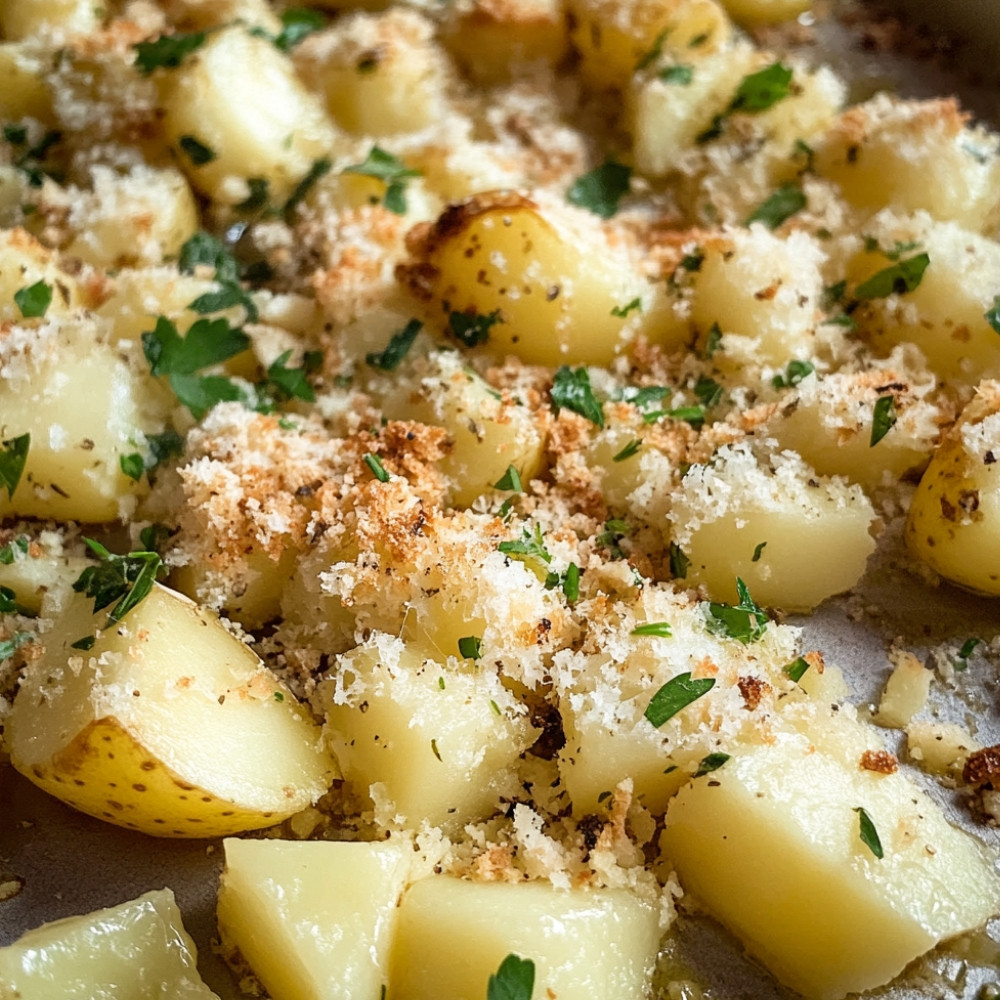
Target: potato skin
<point x="954" y="518"/>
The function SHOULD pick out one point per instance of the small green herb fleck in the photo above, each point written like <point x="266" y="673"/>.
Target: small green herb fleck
<point x="603" y="797"/>
<point x="120" y="580"/>
<point x="197" y="152"/>
<point x="132" y="465"/>
<point x="780" y="206"/>
<point x="654" y="52"/>
<point x="514" y="980"/>
<point x="278" y="696"/>
<point x="797" y="668"/>
<point x="681" y="74"/>
<point x="399" y="345"/>
<point x="259" y="196"/>
<point x="763" y="89"/>
<point x="795" y="372"/>
<point x="434" y="749"/>
<point x="713" y="340"/>
<point x="8" y="601"/>
<point x="14" y="550"/>
<point x="296" y="24"/>
<point x="13" y="455"/>
<point x="203" y="249"/>
<point x="708" y="391"/>
<point x="441" y="683"/>
<point x="745" y="621"/>
<point x="628" y="451"/>
<point x="897" y="279"/>
<point x="531" y="544"/>
<point x="711" y="763"/>
<point x="391" y="171"/>
<point x="992" y="315"/>
<point x="661" y="630"/>
<point x="883" y="418"/>
<point x="868" y="833"/>
<point x="679" y="562"/>
<point x="34" y="300"/>
<point x="320" y="168"/>
<point x="378" y="470"/>
<point x="571" y="391"/>
<point x="622" y="311"/>
<point x="676" y="694"/>
<point x="154" y="535"/>
<point x="472" y="329"/>
<point x="510" y="480"/>
<point x="495" y="707"/>
<point x="644" y="398"/>
<point x="167" y="51"/>
<point x="968" y="647"/>
<point x="470" y="646"/>
<point x="600" y="190"/>
<point x="692" y="262"/>
<point x="8" y="647"/>
<point x="86" y="643"/>
<point x="693" y="415"/>
<point x="571" y="583"/>
<point x="758" y="551"/>
<point x="615" y="529"/>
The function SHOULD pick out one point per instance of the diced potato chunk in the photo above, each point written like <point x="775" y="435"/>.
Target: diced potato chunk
<point x="771" y="845"/>
<point x="167" y="724"/>
<point x="939" y="747"/>
<point x="21" y="19"/>
<point x="138" y="950"/>
<point x="955" y="513"/>
<point x="586" y="945"/>
<point x="436" y="744"/>
<point x="754" y="12"/>
<point x="314" y="919"/>
<point x="23" y="263"/>
<point x="905" y="692"/>
<point x="40" y="573"/>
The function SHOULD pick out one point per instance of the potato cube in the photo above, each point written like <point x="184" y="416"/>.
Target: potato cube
<point x="773" y="845"/>
<point x="314" y="919"/>
<point x="138" y="950"/>
<point x="428" y="743"/>
<point x="586" y="945"/>
<point x="905" y="692"/>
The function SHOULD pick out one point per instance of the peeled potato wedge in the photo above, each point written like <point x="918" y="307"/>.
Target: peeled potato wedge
<point x="169" y="724"/>
<point x="138" y="950"/>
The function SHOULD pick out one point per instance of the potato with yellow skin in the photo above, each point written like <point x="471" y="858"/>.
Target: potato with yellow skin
<point x="166" y="724"/>
<point x="546" y="287"/>
<point x="954" y="519"/>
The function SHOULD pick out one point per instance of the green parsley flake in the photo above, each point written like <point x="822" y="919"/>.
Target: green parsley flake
<point x="514" y="980"/>
<point x="628" y="451"/>
<point x="745" y="621"/>
<point x="623" y="311"/>
<point x="679" y="562"/>
<point x="780" y="206"/>
<point x="654" y="52"/>
<point x="8" y="647"/>
<point x="154" y="535"/>
<point x="758" y="552"/>
<point x="132" y="465"/>
<point x="600" y="190"/>
<point x="375" y="464"/>
<point x="571" y="583"/>
<point x="897" y="279"/>
<point x="391" y="171"/>
<point x="968" y="647"/>
<point x="682" y="75"/>
<point x="883" y="418"/>
<point x="470" y="646"/>
<point x="571" y="391"/>
<point x="203" y="249"/>
<point x="8" y="601"/>
<point x="530" y="544"/>
<point x="167" y="51"/>
<point x="676" y="694"/>
<point x="13" y="455"/>
<point x="796" y="669"/>
<point x="795" y="372"/>
<point x="992" y="315"/>
<point x="472" y="329"/>
<point x="283" y="383"/>
<point x="34" y="300"/>
<point x="399" y="345"/>
<point x="297" y="24"/>
<point x="120" y="580"/>
<point x="434" y="749"/>
<point x="756" y="92"/>
<point x="661" y="630"/>
<point x="711" y="763"/>
<point x="86" y="643"/>
<point x="197" y="152"/>
<point x="510" y="480"/>
<point x="14" y="550"/>
<point x="713" y="340"/>
<point x="320" y="168"/>
<point x="868" y="833"/>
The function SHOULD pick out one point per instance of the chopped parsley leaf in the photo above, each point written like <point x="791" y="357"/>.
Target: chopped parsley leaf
<point x="745" y="621"/>
<point x="796" y="668"/>
<point x="868" y="833"/>
<point x="34" y="300"/>
<point x="758" y="551"/>
<point x="692" y="262"/>
<point x="86" y="643"/>
<point x="167" y="51"/>
<point x="391" y="171"/>
<point x="681" y="74"/>
<point x="708" y="391"/>
<point x="470" y="646"/>
<point x="571" y="583"/>
<point x="992" y="315"/>
<point x="378" y="469"/>
<point x="283" y="383"/>
<point x="154" y="535"/>
<point x="711" y="763"/>
<point x="623" y="311"/>
<point x="795" y="372"/>
<point x="659" y="629"/>
<point x="163" y="446"/>
<point x="571" y="391"/>
<point x="780" y="206"/>
<point x="203" y="248"/>
<point x="510" y="480"/>
<point x="13" y="455"/>
<point x="399" y="345"/>
<point x="713" y="339"/>
<point x="320" y="168"/>
<point x="679" y="562"/>
<point x="654" y="52"/>
<point x="9" y="552"/>
<point x="531" y="544"/>
<point x="8" y="601"/>
<point x="207" y="342"/>
<point x="968" y="647"/>
<point x="628" y="451"/>
<point x="472" y="329"/>
<point x="601" y="189"/>
<point x="120" y="580"/>
<point x="644" y="397"/>
<point x="883" y="418"/>
<point x="897" y="279"/>
<point x="675" y="695"/>
<point x="615" y="529"/>
<point x="296" y="24"/>
<point x="197" y="152"/>
<point x="229" y="294"/>
<point x="513" y="980"/>
<point x="8" y="647"/>
<point x="434" y="749"/>
<point x="694" y="415"/>
<point x="132" y="465"/>
<point x="757" y="92"/>
<point x="259" y="196"/>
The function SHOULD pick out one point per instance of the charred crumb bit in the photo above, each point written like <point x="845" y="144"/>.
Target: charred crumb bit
<point x="982" y="768"/>
<point x="753" y="690"/>
<point x="589" y="828"/>
<point x="880" y="761"/>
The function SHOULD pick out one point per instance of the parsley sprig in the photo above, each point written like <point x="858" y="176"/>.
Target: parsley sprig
<point x="122" y="581"/>
<point x="571" y="390"/>
<point x="34" y="300"/>
<point x="757" y="92"/>
<point x="676" y="694"/>
<point x="13" y="456"/>
<point x="391" y="171"/>
<point x="513" y="980"/>
<point x="745" y="621"/>
<point x="601" y="189"/>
